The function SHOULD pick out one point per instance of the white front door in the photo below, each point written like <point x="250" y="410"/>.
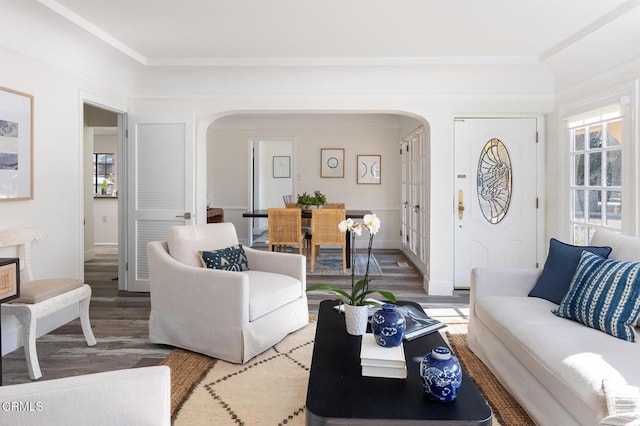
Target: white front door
<point x="160" y="186"/>
<point x="495" y="194"/>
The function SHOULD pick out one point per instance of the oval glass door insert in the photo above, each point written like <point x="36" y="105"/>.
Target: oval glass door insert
<point x="494" y="181"/>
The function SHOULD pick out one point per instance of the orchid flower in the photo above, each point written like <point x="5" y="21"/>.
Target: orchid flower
<point x="372" y="223"/>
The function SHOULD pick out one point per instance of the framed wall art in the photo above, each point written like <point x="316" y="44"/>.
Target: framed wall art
<point x="369" y="169"/>
<point x="16" y="145"/>
<point x="332" y="162"/>
<point x="281" y="166"/>
<point x="9" y="279"/>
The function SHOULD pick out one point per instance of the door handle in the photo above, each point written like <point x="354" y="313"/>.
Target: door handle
<point x="185" y="216"/>
<point x="460" y="204"/>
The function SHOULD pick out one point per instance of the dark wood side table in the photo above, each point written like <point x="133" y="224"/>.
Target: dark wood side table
<point x="339" y="394"/>
<point x="9" y="288"/>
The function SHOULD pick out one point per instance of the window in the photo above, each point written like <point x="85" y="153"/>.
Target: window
<point x="104" y="169"/>
<point x="596" y="175"/>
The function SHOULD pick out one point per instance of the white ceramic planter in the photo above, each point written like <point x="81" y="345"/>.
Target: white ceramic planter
<point x="356" y="319"/>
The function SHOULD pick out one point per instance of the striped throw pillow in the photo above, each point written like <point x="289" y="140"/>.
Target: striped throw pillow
<point x="604" y="294"/>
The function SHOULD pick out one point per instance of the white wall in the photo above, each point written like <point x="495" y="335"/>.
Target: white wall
<point x="42" y="70"/>
<point x="105" y="221"/>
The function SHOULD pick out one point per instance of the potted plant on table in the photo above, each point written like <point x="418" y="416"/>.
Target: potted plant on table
<point x="316" y="200"/>
<point x="356" y="302"/>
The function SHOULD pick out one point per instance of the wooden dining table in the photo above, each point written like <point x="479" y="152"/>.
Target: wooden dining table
<point x="306" y="214"/>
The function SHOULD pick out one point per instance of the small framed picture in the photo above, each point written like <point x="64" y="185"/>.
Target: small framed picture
<point x="369" y="169"/>
<point x="281" y="167"/>
<point x="9" y="279"/>
<point x="332" y="162"/>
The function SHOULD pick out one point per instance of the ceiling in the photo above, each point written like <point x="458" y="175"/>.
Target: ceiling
<point x="223" y="32"/>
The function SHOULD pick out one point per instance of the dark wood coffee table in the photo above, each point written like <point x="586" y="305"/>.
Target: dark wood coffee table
<point x="338" y="394"/>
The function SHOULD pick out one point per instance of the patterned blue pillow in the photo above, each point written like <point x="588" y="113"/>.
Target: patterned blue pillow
<point x="604" y="294"/>
<point x="230" y="259"/>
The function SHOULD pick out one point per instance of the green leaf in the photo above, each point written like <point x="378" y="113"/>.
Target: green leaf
<point x="329" y="287"/>
<point x="388" y="295"/>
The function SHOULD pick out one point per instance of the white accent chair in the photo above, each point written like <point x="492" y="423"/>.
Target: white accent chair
<point x="39" y="298"/>
<point x="130" y="397"/>
<point x="229" y="315"/>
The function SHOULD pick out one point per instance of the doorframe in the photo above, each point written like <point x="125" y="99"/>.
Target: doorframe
<point x="121" y="111"/>
<point x="252" y="142"/>
<point x="541" y="230"/>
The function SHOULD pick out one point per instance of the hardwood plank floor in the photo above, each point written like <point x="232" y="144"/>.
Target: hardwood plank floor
<point x="120" y="320"/>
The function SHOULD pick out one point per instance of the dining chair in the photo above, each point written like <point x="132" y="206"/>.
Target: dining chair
<point x="306" y="226"/>
<point x="324" y="231"/>
<point x="333" y="206"/>
<point x="288" y="199"/>
<point x="285" y="228"/>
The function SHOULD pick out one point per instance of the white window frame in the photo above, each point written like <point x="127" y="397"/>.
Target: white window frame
<point x="624" y="99"/>
<point x="602" y="120"/>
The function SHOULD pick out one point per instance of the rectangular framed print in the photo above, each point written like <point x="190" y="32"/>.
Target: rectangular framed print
<point x="9" y="279"/>
<point x="369" y="169"/>
<point x="332" y="162"/>
<point x="281" y="167"/>
<point x="16" y="145"/>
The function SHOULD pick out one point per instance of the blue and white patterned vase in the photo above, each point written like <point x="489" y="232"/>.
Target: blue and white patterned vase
<point x="388" y="325"/>
<point x="441" y="374"/>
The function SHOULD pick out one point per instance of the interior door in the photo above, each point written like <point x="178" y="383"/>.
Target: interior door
<point x="413" y="197"/>
<point x="495" y="194"/>
<point x="160" y="186"/>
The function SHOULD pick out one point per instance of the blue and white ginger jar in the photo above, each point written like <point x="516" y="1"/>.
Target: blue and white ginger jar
<point x="388" y="325"/>
<point x="441" y="374"/>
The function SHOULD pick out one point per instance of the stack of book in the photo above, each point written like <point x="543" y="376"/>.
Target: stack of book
<point x="378" y="361"/>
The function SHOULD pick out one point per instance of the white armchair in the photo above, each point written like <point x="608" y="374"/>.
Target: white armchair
<point x="228" y="315"/>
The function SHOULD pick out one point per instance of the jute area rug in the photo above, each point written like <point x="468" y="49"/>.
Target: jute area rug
<point x="271" y="389"/>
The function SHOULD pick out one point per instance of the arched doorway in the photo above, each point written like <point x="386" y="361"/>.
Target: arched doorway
<point x="228" y="160"/>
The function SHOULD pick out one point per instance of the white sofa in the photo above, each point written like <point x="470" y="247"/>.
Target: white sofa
<point x="230" y="315"/>
<point x="553" y="366"/>
<point x="131" y="397"/>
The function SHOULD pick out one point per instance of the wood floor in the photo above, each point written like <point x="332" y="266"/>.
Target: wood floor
<point x="120" y="320"/>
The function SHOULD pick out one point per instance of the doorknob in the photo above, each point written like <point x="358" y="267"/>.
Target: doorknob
<point x="185" y="216"/>
<point x="460" y="204"/>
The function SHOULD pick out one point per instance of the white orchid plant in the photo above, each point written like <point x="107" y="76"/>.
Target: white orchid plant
<point x="360" y="290"/>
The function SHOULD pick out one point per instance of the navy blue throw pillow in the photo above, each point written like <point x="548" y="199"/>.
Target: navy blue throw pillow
<point x="230" y="259"/>
<point x="559" y="269"/>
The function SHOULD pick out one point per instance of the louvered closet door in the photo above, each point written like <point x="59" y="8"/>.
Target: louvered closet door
<point x="160" y="158"/>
